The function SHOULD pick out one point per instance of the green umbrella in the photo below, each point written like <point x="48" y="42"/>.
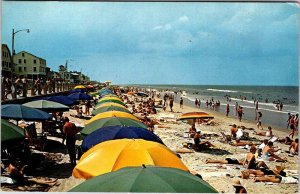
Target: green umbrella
<point x="112" y="121"/>
<point x="110" y="100"/>
<point x="10" y="132"/>
<point x="109" y="108"/>
<point x="146" y="179"/>
<point x="48" y="106"/>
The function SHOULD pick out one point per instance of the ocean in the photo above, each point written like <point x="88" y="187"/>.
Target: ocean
<point x="267" y="97"/>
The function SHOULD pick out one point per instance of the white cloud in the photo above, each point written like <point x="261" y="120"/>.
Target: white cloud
<point x="163" y="27"/>
<point x="183" y="19"/>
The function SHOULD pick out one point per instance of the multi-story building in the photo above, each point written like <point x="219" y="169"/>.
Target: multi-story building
<point x="7" y="65"/>
<point x="29" y="65"/>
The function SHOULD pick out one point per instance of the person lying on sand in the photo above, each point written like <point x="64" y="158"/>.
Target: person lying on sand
<point x="200" y="145"/>
<point x="268" y="153"/>
<point x="294" y="146"/>
<point x="277" y="179"/>
<point x="287" y="140"/>
<point x="269" y="133"/>
<point x="278" y="170"/>
<point x="238" y="142"/>
<point x="226" y="161"/>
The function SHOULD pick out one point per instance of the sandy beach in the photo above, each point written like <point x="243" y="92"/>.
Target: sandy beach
<point x="172" y="133"/>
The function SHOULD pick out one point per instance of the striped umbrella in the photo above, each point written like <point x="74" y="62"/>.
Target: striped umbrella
<point x="195" y="115"/>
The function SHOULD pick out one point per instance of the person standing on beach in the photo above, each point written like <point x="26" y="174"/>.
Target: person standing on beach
<point x="259" y="126"/>
<point x="199" y="103"/>
<point x="196" y="103"/>
<point x="206" y="103"/>
<point x="288" y="121"/>
<point x="70" y="131"/>
<point x="181" y="103"/>
<point x="281" y="106"/>
<point x="292" y="126"/>
<point x="236" y="108"/>
<point x="240" y="113"/>
<point x="171" y="104"/>
<point x="227" y="109"/>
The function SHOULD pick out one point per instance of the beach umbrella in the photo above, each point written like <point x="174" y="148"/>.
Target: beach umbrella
<point x="89" y="86"/>
<point x="65" y="100"/>
<point x="143" y="94"/>
<point x="10" y="133"/>
<point x="109" y="104"/>
<point x="130" y="93"/>
<point x="110" y="114"/>
<point x="118" y="132"/>
<point x="195" y="115"/>
<point x="80" y="96"/>
<point x="21" y="112"/>
<point x="146" y="179"/>
<point x="48" y="106"/>
<point x="110" y="100"/>
<point x="109" y="95"/>
<point x="113" y="155"/>
<point x="80" y="90"/>
<point x="79" y="87"/>
<point x="110" y="108"/>
<point x="112" y="121"/>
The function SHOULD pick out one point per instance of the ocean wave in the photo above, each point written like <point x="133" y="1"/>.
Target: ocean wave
<point x="217" y="90"/>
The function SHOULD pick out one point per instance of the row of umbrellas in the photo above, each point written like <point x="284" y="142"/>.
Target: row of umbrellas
<point x="123" y="156"/>
<point x="37" y="110"/>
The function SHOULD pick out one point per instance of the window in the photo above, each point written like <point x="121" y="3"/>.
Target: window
<point x="24" y="68"/>
<point x="34" y="61"/>
<point x="23" y="54"/>
<point x="24" y="60"/>
<point x="20" y="69"/>
<point x="34" y="69"/>
<point x="20" y="60"/>
<point x="9" y="65"/>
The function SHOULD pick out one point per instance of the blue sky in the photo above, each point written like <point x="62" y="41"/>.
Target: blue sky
<point x="162" y="43"/>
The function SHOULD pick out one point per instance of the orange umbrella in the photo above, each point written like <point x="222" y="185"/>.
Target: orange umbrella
<point x="131" y="93"/>
<point x="195" y="115"/>
<point x="113" y="155"/>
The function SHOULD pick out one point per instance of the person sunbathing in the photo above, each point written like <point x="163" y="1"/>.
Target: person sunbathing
<point x="241" y="143"/>
<point x="262" y="171"/>
<point x="192" y="131"/>
<point x="199" y="145"/>
<point x="226" y="161"/>
<point x="287" y="140"/>
<point x="233" y="131"/>
<point x="250" y="160"/>
<point x="294" y="146"/>
<point x="268" y="153"/>
<point x="277" y="179"/>
<point x="269" y="133"/>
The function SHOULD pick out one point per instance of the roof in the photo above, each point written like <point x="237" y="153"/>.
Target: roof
<point x="31" y="55"/>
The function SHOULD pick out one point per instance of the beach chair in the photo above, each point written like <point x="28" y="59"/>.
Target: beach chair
<point x="35" y="139"/>
<point x="226" y="138"/>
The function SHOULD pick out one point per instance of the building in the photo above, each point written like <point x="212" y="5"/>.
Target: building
<point x="29" y="65"/>
<point x="7" y="65"/>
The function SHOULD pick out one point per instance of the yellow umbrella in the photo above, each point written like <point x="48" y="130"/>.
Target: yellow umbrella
<point x="79" y="87"/>
<point x="112" y="155"/>
<point x="110" y="98"/>
<point x="112" y="114"/>
<point x="109" y="104"/>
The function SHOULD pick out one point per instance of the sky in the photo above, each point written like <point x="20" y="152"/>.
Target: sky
<point x="194" y="43"/>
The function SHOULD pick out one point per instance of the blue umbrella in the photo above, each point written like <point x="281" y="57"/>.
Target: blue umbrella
<point x="118" y="132"/>
<point x="19" y="112"/>
<point x="82" y="90"/>
<point x="143" y="94"/>
<point x="65" y="100"/>
<point x="80" y="96"/>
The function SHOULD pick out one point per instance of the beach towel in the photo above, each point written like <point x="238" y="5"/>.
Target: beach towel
<point x="6" y="180"/>
<point x="288" y="180"/>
